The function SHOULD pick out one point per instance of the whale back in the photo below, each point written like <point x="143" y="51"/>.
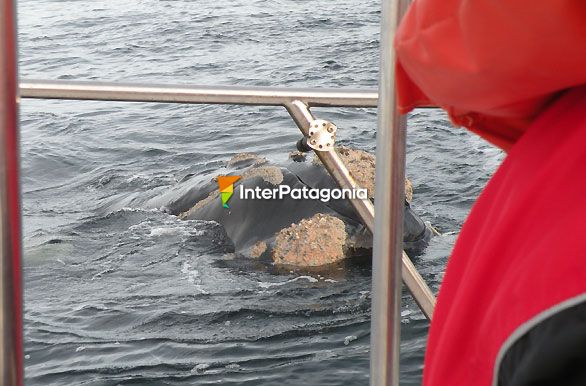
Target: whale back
<point x="248" y="221"/>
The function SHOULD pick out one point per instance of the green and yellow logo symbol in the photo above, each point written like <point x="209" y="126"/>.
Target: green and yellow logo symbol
<point x="226" y="184"/>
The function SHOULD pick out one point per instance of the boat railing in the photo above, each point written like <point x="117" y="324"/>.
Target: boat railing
<point x="390" y="263"/>
<point x="297" y="102"/>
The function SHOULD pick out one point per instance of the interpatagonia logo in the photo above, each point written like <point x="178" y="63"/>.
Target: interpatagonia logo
<point x="302" y="193"/>
<point x="226" y="185"/>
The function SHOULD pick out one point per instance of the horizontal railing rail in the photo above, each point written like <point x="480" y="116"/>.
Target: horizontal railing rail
<point x="250" y="95"/>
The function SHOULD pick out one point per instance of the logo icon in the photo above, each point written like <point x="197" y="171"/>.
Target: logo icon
<point x="226" y="184"/>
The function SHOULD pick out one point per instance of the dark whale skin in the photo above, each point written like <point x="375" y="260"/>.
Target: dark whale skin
<point x="249" y="221"/>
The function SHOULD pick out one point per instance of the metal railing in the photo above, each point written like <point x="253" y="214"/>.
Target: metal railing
<point x="390" y="263"/>
<point x="389" y="195"/>
<point x="296" y="101"/>
<point x="11" y="352"/>
<point x="259" y="96"/>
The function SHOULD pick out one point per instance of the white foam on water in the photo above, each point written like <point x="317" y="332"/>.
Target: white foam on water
<point x="349" y="339"/>
<point x="282" y="283"/>
<point x="161" y="231"/>
<point x="136" y="210"/>
<point x="192" y="276"/>
<point x="170" y="227"/>
<point x="101" y="273"/>
<point x="135" y="177"/>
<point x="202" y="367"/>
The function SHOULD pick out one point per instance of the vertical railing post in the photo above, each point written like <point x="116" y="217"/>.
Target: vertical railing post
<point x="389" y="196"/>
<point x="11" y="353"/>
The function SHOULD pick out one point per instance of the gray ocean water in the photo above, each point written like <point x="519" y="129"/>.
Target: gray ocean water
<point x="127" y="295"/>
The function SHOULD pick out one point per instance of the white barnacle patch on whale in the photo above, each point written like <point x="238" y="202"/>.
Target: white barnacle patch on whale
<point x="361" y="165"/>
<point x="316" y="241"/>
<point x="214" y="195"/>
<point x="271" y="174"/>
<point x="258" y="249"/>
<point x="246" y="159"/>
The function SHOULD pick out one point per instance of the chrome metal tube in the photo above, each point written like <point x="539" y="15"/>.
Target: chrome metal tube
<point x="419" y="289"/>
<point x="389" y="195"/>
<point x="267" y="96"/>
<point x="337" y="169"/>
<point x="11" y="354"/>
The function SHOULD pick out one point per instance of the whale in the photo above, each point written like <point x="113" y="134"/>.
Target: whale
<point x="289" y="230"/>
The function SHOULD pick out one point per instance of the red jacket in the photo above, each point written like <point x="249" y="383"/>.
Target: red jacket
<point x="492" y="64"/>
<point x="512" y="306"/>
